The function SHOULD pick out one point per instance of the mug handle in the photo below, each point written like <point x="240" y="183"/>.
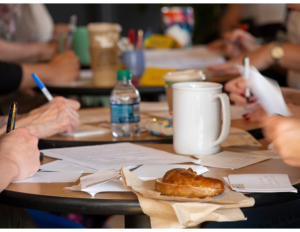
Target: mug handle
<point x="226" y="118"/>
<point x="61" y="43"/>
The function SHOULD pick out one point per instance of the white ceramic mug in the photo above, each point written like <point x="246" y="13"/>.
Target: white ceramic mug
<point x="197" y="118"/>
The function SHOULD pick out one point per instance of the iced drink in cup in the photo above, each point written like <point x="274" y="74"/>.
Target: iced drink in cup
<point x="171" y="78"/>
<point x="103" y="39"/>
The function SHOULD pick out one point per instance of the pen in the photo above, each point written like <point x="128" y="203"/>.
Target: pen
<point x="246" y="76"/>
<point x="12" y="115"/>
<point x="72" y="26"/>
<point x="42" y="87"/>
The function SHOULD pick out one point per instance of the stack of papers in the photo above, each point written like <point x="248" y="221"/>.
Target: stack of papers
<point x="103" y="157"/>
<point x="52" y="177"/>
<point x="180" y="59"/>
<point x="262" y="183"/>
<point x="154" y="171"/>
<point x="65" y="166"/>
<point x="238" y="137"/>
<point x="232" y="160"/>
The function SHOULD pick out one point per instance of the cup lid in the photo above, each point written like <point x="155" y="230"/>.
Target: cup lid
<point x="187" y="75"/>
<point x="103" y="27"/>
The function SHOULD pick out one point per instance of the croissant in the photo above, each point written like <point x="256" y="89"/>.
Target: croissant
<point x="186" y="183"/>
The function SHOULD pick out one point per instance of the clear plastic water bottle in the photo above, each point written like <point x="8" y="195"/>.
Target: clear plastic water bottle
<point x="125" y="107"/>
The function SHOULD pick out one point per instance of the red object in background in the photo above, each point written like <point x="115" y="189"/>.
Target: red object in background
<point x="131" y="36"/>
<point x="244" y="27"/>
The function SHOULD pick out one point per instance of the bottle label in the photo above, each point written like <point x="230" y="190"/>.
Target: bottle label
<point x="125" y="113"/>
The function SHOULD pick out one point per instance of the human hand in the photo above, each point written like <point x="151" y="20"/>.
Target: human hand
<point x="261" y="59"/>
<point x="217" y="44"/>
<point x="19" y="153"/>
<point x="284" y="132"/>
<point x="57" y="116"/>
<point x="236" y="89"/>
<point x="59" y="30"/>
<point x="238" y="42"/>
<point x="63" y="67"/>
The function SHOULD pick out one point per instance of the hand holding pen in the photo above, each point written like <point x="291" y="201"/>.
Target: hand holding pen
<point x="42" y="87"/>
<point x="12" y="116"/>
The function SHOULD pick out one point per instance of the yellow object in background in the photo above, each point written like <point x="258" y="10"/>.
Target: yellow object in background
<point x="154" y="76"/>
<point x="160" y="42"/>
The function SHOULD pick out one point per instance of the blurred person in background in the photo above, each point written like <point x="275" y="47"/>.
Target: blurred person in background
<point x="56" y="116"/>
<point x="29" y="36"/>
<point x="261" y="57"/>
<point x="254" y="18"/>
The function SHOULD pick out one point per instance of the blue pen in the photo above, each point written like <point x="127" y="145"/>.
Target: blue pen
<point x="42" y="87"/>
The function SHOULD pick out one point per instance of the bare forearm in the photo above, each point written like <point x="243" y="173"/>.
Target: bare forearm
<point x="8" y="172"/>
<point x="24" y="53"/>
<point x="42" y="70"/>
<point x="291" y="59"/>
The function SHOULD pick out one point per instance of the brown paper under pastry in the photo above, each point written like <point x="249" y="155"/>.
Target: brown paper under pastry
<point x="147" y="189"/>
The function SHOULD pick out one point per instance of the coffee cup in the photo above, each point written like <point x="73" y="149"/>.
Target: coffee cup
<point x="103" y="39"/>
<point x="197" y="118"/>
<point x="171" y="78"/>
<point x="80" y="44"/>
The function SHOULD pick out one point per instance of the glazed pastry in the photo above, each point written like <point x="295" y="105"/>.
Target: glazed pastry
<point x="186" y="183"/>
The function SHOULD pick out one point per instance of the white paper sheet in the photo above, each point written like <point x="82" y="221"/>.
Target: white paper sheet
<point x="110" y="156"/>
<point x="267" y="91"/>
<point x="86" y="130"/>
<point x="238" y="137"/>
<point x="154" y="171"/>
<point x="261" y="183"/>
<point x="180" y="59"/>
<point x="97" y="178"/>
<point x="112" y="186"/>
<point x="232" y="160"/>
<point x="267" y="153"/>
<point x="52" y="177"/>
<point x="154" y="106"/>
<point x="64" y="166"/>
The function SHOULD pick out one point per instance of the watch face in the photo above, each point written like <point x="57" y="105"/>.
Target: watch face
<point x="277" y="52"/>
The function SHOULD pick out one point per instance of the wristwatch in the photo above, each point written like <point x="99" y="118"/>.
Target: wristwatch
<point x="277" y="53"/>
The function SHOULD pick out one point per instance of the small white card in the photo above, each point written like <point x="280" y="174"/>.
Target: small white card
<point x="111" y="186"/>
<point x="86" y="130"/>
<point x="260" y="183"/>
<point x="233" y="160"/>
<point x="97" y="178"/>
<point x="52" y="177"/>
<point x="154" y="171"/>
